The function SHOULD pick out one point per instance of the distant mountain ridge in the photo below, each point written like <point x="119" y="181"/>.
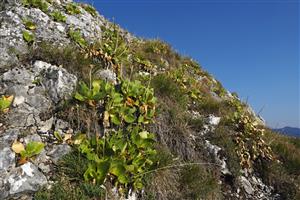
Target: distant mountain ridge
<point x="290" y="131"/>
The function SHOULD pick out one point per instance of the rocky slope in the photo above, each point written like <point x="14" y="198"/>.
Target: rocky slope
<point x="206" y="143"/>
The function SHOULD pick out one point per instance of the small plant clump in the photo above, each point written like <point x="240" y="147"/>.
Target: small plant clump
<point x="76" y="36"/>
<point x="41" y="4"/>
<point x="72" y="9"/>
<point x="58" y="16"/>
<point x="90" y="9"/>
<point x="5" y="102"/>
<point x="32" y="149"/>
<point x="29" y="25"/>
<point x="123" y="154"/>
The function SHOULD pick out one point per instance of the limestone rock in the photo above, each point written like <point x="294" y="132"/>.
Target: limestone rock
<point x="26" y="178"/>
<point x="57" y="151"/>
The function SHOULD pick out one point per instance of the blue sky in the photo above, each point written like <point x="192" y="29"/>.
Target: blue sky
<point x="251" y="46"/>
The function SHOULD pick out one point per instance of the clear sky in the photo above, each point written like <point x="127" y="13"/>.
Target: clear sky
<point x="251" y="46"/>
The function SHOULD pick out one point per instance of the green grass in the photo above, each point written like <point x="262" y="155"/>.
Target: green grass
<point x="69" y="183"/>
<point x="198" y="182"/>
<point x="223" y="137"/>
<point x="165" y="87"/>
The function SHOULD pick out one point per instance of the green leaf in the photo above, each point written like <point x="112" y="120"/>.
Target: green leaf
<point x="117" y="98"/>
<point x="90" y="172"/>
<point x="83" y="88"/>
<point x="130" y="118"/>
<point x="123" y="179"/>
<point x="102" y="170"/>
<point x="130" y="168"/>
<point x="115" y="119"/>
<point x="76" y="36"/>
<point x="58" y="136"/>
<point x="117" y="168"/>
<point x="25" y="3"/>
<point x="28" y="37"/>
<point x="141" y="119"/>
<point x="79" y="97"/>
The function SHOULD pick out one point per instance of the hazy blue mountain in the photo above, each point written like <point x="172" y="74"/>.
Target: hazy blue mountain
<point x="290" y="131"/>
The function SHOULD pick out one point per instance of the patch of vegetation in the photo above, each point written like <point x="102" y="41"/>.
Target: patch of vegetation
<point x="208" y="105"/>
<point x="156" y="52"/>
<point x="31" y="149"/>
<point x="224" y="137"/>
<point x="5" y="102"/>
<point x="249" y="136"/>
<point x="124" y="154"/>
<point x="90" y="9"/>
<point x="198" y="182"/>
<point x="72" y="9"/>
<point x="76" y="36"/>
<point x="166" y="87"/>
<point x="195" y="123"/>
<point x="283" y="174"/>
<point x="58" y="16"/>
<point x="40" y="4"/>
<point x="69" y="183"/>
